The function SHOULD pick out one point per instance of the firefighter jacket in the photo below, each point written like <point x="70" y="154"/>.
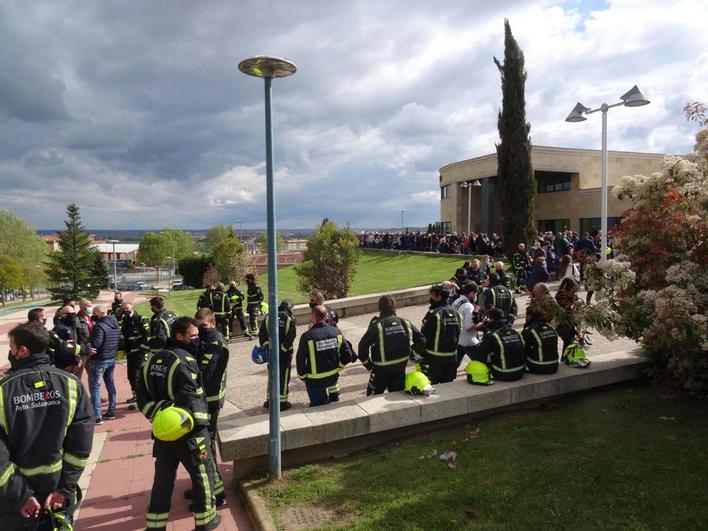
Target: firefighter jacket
<point x="286" y="333"/>
<point x="519" y="261"/>
<point x="236" y="297"/>
<point x="441" y="328"/>
<point x="213" y="359"/>
<point x="254" y="296"/>
<point x="117" y="309"/>
<point x="160" y="329"/>
<point x="389" y="339"/>
<point x="502" y="298"/>
<point x="172" y="377"/>
<point x="135" y="330"/>
<point x="321" y="355"/>
<point x="63" y="353"/>
<point x="46" y="432"/>
<point x="203" y="300"/>
<point x="219" y="303"/>
<point x="540" y="346"/>
<point x="505" y="347"/>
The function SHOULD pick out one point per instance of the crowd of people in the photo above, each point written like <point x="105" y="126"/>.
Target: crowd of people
<point x="176" y="366"/>
<point x="433" y="242"/>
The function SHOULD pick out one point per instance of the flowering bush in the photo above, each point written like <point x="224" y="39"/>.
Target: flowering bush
<point x="656" y="292"/>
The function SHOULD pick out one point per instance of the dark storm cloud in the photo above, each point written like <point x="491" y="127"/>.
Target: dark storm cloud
<point x="137" y="112"/>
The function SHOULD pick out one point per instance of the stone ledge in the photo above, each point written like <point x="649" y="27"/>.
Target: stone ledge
<point x="311" y="434"/>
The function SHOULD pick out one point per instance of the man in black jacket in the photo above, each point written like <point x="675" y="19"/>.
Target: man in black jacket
<point x="46" y="433"/>
<point x="220" y="304"/>
<point x="389" y="338"/>
<point x="105" y="339"/>
<point x="503" y="346"/>
<point x="254" y="298"/>
<point x="61" y="353"/>
<point x="135" y="331"/>
<point x="286" y="337"/>
<point x="160" y="324"/>
<point x="172" y="377"/>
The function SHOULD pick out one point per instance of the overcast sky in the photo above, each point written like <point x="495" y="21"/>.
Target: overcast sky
<point x="136" y="111"/>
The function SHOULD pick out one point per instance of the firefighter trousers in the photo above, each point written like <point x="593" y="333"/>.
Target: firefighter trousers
<point x="391" y="381"/>
<point x="440" y="371"/>
<point x="193" y="451"/>
<point x="238" y="315"/>
<point x="213" y="422"/>
<point x="223" y="323"/>
<point x="285" y="362"/>
<point x="136" y="361"/>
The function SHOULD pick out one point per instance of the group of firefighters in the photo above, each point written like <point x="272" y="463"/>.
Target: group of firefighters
<point x="177" y="372"/>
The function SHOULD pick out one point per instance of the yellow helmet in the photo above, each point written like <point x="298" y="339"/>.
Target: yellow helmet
<point x="478" y="373"/>
<point x="172" y="423"/>
<point x="417" y="383"/>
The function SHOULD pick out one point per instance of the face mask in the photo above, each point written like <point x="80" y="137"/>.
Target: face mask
<point x="203" y="331"/>
<point x="432" y="301"/>
<point x="89" y="310"/>
<point x="313" y="304"/>
<point x="12" y="359"/>
<point x="68" y="320"/>
<point x="195" y="344"/>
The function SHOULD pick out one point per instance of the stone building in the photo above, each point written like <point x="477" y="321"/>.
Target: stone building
<point x="568" y="193"/>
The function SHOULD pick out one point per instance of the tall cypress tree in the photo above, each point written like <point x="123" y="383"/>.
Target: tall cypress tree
<point x="516" y="184"/>
<point x="71" y="268"/>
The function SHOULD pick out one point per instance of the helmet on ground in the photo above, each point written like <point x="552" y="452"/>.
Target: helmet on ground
<point x="172" y="423"/>
<point x="259" y="354"/>
<point x="417" y="383"/>
<point x="264" y="307"/>
<point x="478" y="373"/>
<point x="575" y="356"/>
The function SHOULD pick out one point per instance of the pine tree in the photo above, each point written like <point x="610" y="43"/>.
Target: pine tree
<point x="99" y="274"/>
<point x="71" y="268"/>
<point x="516" y="184"/>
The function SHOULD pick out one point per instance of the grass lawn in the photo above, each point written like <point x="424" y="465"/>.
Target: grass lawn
<point x="377" y="272"/>
<point x="629" y="457"/>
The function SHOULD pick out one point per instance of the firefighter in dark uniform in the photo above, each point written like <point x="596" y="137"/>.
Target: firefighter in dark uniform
<point x="46" y="433"/>
<point x="213" y="358"/>
<point x="254" y="298"/>
<point x="540" y="345"/>
<point x="64" y="350"/>
<point x="203" y="300"/>
<point x="519" y="262"/>
<point x="220" y="304"/>
<point x="503" y="347"/>
<point x="389" y="338"/>
<point x="441" y="328"/>
<point x="172" y="377"/>
<point x="160" y="324"/>
<point x="286" y="337"/>
<point x="62" y="354"/>
<point x="135" y="333"/>
<point x="317" y="299"/>
<point x="236" y="298"/>
<point x="117" y="306"/>
<point x="321" y="355"/>
<point x="497" y="295"/>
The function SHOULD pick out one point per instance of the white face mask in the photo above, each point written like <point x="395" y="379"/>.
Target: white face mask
<point x="89" y="310"/>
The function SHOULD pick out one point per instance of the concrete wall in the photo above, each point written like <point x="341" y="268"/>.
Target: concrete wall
<point x="582" y="201"/>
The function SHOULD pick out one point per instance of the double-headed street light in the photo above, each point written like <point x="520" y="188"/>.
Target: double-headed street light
<point x="632" y="98"/>
<point x="268" y="68"/>
<point x="469" y="185"/>
<point x="115" y="260"/>
<point x="240" y="231"/>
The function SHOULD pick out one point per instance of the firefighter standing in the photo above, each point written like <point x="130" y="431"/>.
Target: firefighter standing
<point x="441" y="328"/>
<point x="135" y="329"/>
<point x="160" y="324"/>
<point x="317" y="299"/>
<point x="519" y="262"/>
<point x="203" y="300"/>
<point x="221" y="306"/>
<point x="117" y="306"/>
<point x="254" y="298"/>
<point x="213" y="359"/>
<point x="61" y="353"/>
<point x="64" y="349"/>
<point x="389" y="338"/>
<point x="321" y="355"/>
<point x="46" y="433"/>
<point x="497" y="295"/>
<point x="286" y="337"/>
<point x="236" y="297"/>
<point x="171" y="379"/>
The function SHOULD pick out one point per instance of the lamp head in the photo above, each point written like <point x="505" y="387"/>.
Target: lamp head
<point x="634" y="98"/>
<point x="576" y="115"/>
<point x="266" y="66"/>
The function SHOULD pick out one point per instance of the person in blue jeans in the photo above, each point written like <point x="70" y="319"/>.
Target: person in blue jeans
<point x="105" y="339"/>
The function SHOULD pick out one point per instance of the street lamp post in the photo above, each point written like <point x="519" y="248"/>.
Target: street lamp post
<point x="240" y="231"/>
<point x="115" y="275"/>
<point x="268" y="68"/>
<point x="632" y="98"/>
<point x="36" y="270"/>
<point x="402" y="225"/>
<point x="469" y="185"/>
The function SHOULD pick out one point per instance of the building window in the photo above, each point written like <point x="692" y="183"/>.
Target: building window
<point x="593" y="224"/>
<point x="446" y="227"/>
<point x="552" y="181"/>
<point x="445" y="191"/>
<point x="553" y="225"/>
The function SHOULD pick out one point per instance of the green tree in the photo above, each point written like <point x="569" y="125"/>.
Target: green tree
<point x="262" y="242"/>
<point x="182" y="242"/>
<point x="19" y="240"/>
<point x="99" y="274"/>
<point x="330" y="261"/>
<point x="153" y="250"/>
<point x="231" y="259"/>
<point x="216" y="235"/>
<point x="70" y="269"/>
<point x="192" y="269"/>
<point x="10" y="275"/>
<point x="516" y="184"/>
